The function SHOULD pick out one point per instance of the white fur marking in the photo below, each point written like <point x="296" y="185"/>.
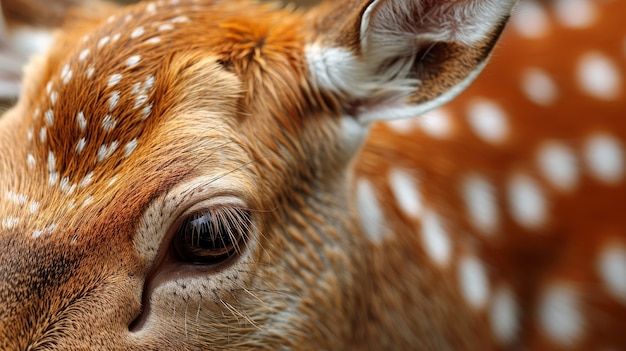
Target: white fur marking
<point x="43" y="134"/>
<point x="86" y="180"/>
<point x="539" y="87"/>
<point x="435" y="238"/>
<point x="139" y="31"/>
<point x="108" y="123"/>
<point x="405" y="190"/>
<point x="105" y="151"/>
<point x="605" y="158"/>
<point x="560" y="315"/>
<point x="481" y="204"/>
<point x="114" y="79"/>
<point x="82" y="122"/>
<point x="488" y="121"/>
<point x="49" y="118"/>
<point x="114" y="99"/>
<point x="370" y="212"/>
<point x="527" y="203"/>
<point x="531" y="20"/>
<point x="576" y="13"/>
<point x="130" y="147"/>
<point x="133" y="60"/>
<point x="504" y="316"/>
<point x="80" y="146"/>
<point x="83" y="55"/>
<point x="103" y="41"/>
<point x="436" y="123"/>
<point x="165" y="27"/>
<point x="599" y="76"/>
<point x="30" y="161"/>
<point x="402" y="126"/>
<point x="559" y="165"/>
<point x="473" y="281"/>
<point x="612" y="270"/>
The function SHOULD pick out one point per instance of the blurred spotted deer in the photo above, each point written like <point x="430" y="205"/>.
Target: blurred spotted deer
<point x="209" y="175"/>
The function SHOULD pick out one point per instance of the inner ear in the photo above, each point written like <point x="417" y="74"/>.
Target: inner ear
<point x="410" y="57"/>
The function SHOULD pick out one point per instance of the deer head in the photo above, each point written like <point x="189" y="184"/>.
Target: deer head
<point x="179" y="175"/>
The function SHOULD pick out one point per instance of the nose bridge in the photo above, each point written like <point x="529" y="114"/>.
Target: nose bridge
<point x="53" y="283"/>
<point x="32" y="275"/>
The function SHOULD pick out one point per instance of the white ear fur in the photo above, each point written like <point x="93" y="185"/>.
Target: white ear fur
<point x="381" y="74"/>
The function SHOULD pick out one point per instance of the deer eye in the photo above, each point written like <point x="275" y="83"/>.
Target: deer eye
<point x="212" y="236"/>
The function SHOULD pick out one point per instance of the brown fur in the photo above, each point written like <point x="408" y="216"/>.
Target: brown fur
<point x="234" y="116"/>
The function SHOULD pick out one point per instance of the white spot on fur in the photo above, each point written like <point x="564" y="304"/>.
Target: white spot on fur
<point x="504" y="316"/>
<point x="67" y="75"/>
<point x="576" y="13"/>
<point x="30" y="161"/>
<point x="43" y="134"/>
<point x="53" y="178"/>
<point x="612" y="270"/>
<point x="114" y="100"/>
<point x="539" y="87"/>
<point x="49" y="118"/>
<point x="488" y="121"/>
<point x="530" y="19"/>
<point x="18" y="199"/>
<point x="103" y="41"/>
<point x="34" y="207"/>
<point x="53" y="97"/>
<point x="130" y="147"/>
<point x="114" y="79"/>
<point x="90" y="72"/>
<point x="435" y="238"/>
<point x="83" y="55"/>
<point x="137" y="32"/>
<point x="401" y="126"/>
<point x="82" y="122"/>
<point x="51" y="162"/>
<point x="66" y="186"/>
<point x="558" y="165"/>
<point x="153" y="40"/>
<point x="9" y="223"/>
<point x="473" y="281"/>
<point x="481" y="204"/>
<point x="80" y="145"/>
<point x="436" y="123"/>
<point x="370" y="212"/>
<point x="147" y="110"/>
<point x="605" y="158"/>
<point x="105" y="151"/>
<point x="560" y="315"/>
<point x="133" y="60"/>
<point x="108" y="123"/>
<point x="86" y="180"/>
<point x="165" y="27"/>
<point x="527" y="203"/>
<point x="599" y="76"/>
<point x="180" y="19"/>
<point x="405" y="190"/>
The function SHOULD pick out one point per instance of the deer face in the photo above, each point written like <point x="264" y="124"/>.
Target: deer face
<point x="176" y="176"/>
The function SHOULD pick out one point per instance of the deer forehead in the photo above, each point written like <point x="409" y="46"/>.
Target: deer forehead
<point x="113" y="116"/>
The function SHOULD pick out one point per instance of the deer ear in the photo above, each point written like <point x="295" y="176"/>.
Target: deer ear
<point x="390" y="59"/>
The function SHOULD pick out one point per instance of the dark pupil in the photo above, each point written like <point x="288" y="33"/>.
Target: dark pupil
<point x="200" y="231"/>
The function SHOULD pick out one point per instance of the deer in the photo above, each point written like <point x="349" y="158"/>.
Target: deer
<point x="212" y="175"/>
